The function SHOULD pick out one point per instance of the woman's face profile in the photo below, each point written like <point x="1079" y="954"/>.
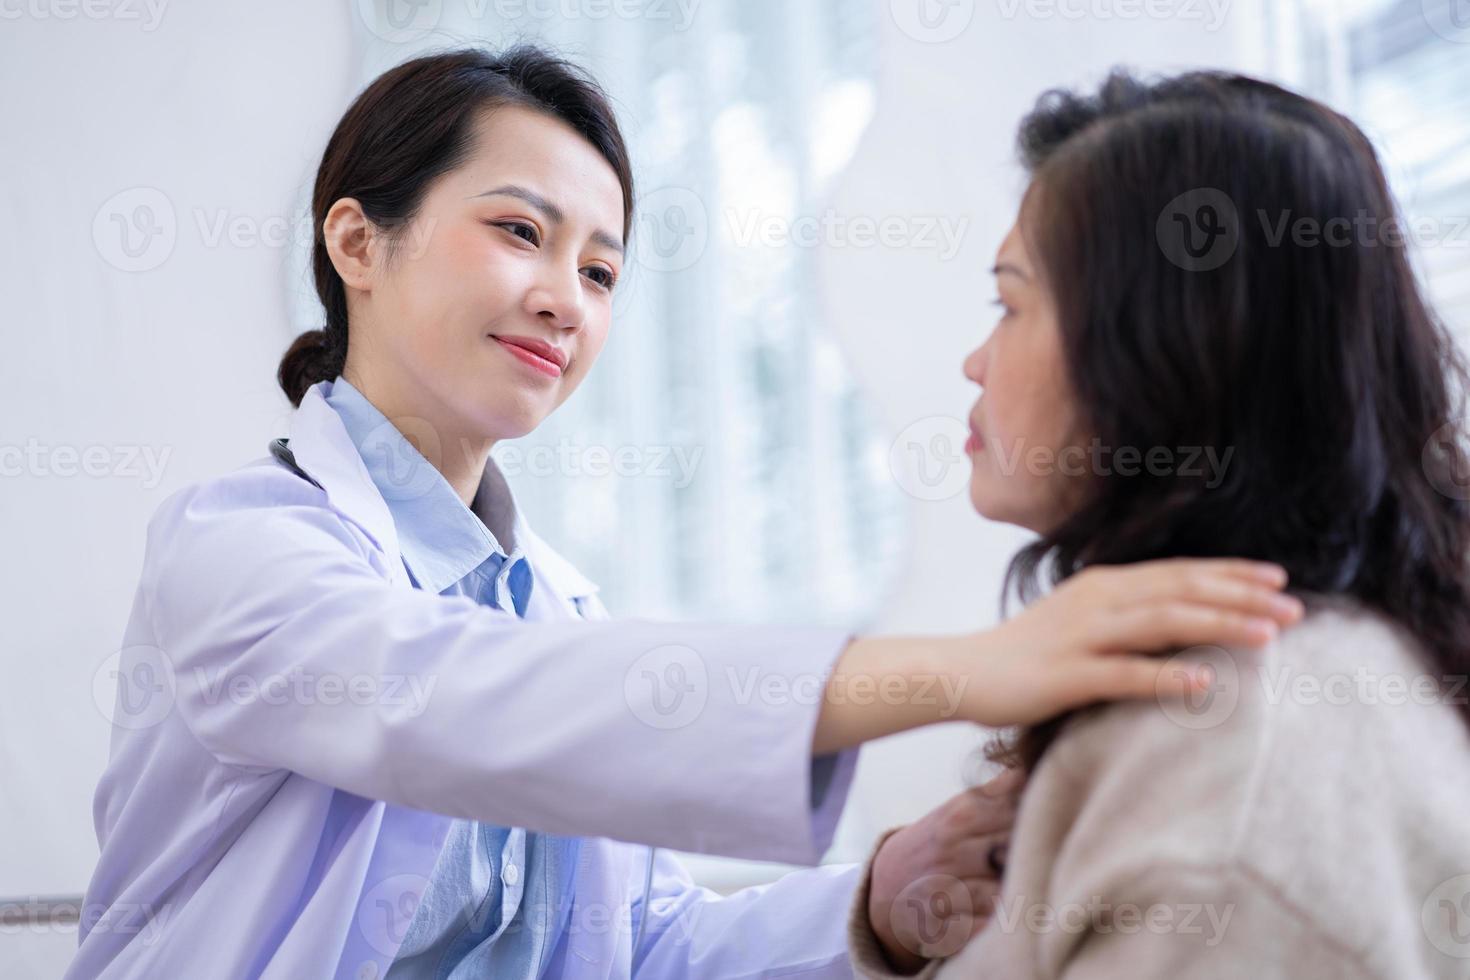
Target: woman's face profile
<point x="516" y="249"/>
<point x="1023" y="419"/>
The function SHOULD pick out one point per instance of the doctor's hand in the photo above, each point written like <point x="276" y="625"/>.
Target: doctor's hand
<point x="1087" y="641"/>
<point x="934" y="883"/>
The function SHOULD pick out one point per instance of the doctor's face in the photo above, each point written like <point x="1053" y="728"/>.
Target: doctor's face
<point x="1023" y="421"/>
<point x="496" y="300"/>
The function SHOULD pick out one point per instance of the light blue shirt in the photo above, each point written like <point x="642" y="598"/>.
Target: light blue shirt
<point x="495" y="903"/>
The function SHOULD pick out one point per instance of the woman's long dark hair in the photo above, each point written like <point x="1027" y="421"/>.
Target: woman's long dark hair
<point x="413" y="124"/>
<point x="1230" y="271"/>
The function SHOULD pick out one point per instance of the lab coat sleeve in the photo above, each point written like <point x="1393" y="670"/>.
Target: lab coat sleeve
<point x="291" y="649"/>
<point x="793" y="927"/>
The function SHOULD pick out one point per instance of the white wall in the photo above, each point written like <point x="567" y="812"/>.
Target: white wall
<point x="209" y="110"/>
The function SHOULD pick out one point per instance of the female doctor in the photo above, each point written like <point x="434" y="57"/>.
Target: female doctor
<point x="368" y="724"/>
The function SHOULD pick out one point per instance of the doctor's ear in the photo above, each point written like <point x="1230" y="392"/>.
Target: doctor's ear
<point x="354" y="243"/>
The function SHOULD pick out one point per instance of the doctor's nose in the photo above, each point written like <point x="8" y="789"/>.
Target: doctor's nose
<point x="557" y="298"/>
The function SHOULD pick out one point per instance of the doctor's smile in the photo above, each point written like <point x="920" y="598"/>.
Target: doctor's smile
<point x="375" y="718"/>
<point x="536" y="354"/>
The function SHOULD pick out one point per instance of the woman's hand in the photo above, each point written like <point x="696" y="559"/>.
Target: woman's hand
<point x="934" y="883"/>
<point x="1085" y="642"/>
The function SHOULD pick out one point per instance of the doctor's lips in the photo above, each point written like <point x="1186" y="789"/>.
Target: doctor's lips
<point x="536" y="354"/>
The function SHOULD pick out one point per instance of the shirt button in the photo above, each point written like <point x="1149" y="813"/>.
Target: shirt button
<point x="512" y="875"/>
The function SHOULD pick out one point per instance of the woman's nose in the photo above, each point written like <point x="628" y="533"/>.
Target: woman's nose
<point x="976" y="362"/>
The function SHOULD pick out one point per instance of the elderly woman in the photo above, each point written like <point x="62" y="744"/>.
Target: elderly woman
<point x="1211" y="267"/>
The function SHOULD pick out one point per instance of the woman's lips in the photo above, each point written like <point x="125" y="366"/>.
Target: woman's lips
<point x="975" y="443"/>
<point x="536" y="362"/>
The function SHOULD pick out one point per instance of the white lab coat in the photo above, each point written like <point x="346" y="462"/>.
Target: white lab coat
<point x="296" y="726"/>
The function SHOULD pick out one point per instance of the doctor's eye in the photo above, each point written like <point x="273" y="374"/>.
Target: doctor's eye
<point x="521" y="230"/>
<point x="1006" y="311"/>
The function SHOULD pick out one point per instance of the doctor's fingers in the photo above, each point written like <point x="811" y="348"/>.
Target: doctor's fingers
<point x="1166" y="625"/>
<point x="1221" y="586"/>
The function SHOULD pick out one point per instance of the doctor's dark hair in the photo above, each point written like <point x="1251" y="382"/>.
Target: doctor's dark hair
<point x="412" y="125"/>
<point x="1314" y="359"/>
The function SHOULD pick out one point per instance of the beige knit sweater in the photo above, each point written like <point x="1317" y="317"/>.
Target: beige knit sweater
<point x="1312" y="821"/>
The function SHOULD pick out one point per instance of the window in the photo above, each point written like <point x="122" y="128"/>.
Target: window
<point x="1401" y="70"/>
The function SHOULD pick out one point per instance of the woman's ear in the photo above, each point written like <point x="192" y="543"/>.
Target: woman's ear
<point x="349" y="237"/>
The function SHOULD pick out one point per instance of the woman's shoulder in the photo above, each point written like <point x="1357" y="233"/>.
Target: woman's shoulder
<point x="1312" y="684"/>
<point x="1319" y="767"/>
<point x="1289" y="718"/>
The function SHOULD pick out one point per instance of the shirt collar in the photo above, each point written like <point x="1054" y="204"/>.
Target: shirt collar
<point x="328" y="455"/>
<point x="441" y="539"/>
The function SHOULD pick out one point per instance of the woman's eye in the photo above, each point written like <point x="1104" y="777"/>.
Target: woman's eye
<point x="521" y="230"/>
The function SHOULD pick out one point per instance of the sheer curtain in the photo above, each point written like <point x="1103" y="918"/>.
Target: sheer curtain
<point x="718" y="463"/>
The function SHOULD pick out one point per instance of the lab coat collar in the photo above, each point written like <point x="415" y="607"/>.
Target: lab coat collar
<point x="325" y="451"/>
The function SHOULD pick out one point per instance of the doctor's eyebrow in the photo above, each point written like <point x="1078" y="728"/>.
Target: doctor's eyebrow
<point x="1013" y="270"/>
<point x="553" y="213"/>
